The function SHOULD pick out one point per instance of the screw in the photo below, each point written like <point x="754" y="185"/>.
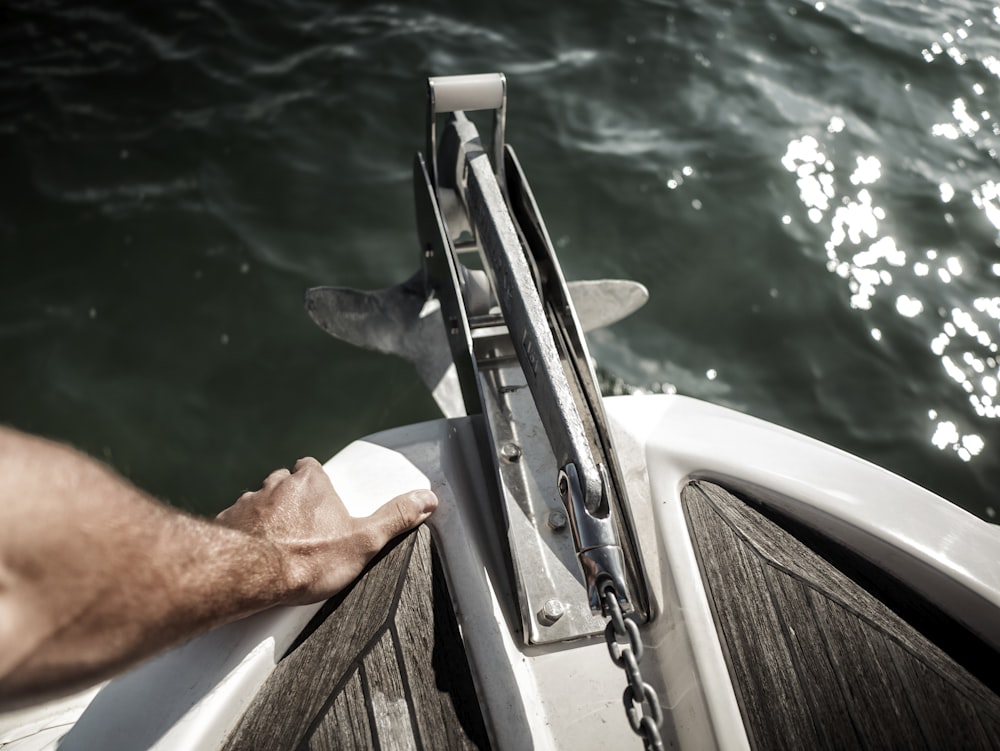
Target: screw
<point x="511" y="452"/>
<point x="551" y="612"/>
<point x="557" y="520"/>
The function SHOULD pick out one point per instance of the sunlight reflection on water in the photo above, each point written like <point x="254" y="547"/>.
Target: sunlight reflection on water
<point x="869" y="260"/>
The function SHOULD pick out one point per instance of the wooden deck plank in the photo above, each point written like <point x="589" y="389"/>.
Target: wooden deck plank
<point x="869" y="679"/>
<point x="879" y="708"/>
<point x="991" y="724"/>
<point x="303" y="681"/>
<point x="827" y="704"/>
<point x="382" y="667"/>
<point x="440" y="690"/>
<point x="957" y="723"/>
<point x="388" y="697"/>
<point x="343" y="727"/>
<point x="768" y="697"/>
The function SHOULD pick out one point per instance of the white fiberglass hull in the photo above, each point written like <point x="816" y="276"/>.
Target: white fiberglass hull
<point x="565" y="695"/>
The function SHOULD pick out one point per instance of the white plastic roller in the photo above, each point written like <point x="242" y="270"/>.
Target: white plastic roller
<point x="476" y="92"/>
<point x="484" y="91"/>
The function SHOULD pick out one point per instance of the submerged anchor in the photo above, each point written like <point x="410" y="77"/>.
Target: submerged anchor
<point x="402" y="320"/>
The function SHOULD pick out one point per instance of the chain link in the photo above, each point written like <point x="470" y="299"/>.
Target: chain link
<point x="642" y="705"/>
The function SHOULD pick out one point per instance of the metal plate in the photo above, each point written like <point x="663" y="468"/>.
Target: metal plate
<point x="541" y="544"/>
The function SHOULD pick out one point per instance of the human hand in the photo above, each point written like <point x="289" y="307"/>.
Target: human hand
<point x="324" y="548"/>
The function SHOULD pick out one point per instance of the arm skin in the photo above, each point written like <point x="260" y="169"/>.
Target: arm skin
<point x="95" y="575"/>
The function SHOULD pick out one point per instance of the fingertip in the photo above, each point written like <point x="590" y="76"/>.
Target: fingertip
<point x="403" y="513"/>
<point x="425" y="500"/>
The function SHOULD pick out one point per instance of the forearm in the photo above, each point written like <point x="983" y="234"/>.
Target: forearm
<point x="95" y="575"/>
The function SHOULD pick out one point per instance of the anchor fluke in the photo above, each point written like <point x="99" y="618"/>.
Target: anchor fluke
<point x="398" y="320"/>
<point x="401" y="320"/>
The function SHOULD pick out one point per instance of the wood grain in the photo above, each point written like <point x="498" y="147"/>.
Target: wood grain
<point x="382" y="666"/>
<point x="817" y="660"/>
<point x="346" y="724"/>
<point x="427" y="631"/>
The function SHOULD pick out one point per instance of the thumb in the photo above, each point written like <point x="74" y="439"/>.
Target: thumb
<point x="403" y="513"/>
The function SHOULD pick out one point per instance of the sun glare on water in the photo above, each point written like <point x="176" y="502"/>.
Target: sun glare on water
<point x="872" y="263"/>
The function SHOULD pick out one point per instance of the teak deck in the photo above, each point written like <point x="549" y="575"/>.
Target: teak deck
<point x="817" y="661"/>
<point x="382" y="667"/>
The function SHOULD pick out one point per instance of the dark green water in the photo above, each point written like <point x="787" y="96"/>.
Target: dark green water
<point x="809" y="191"/>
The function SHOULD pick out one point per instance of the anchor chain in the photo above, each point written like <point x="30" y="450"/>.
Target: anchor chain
<point x="642" y="705"/>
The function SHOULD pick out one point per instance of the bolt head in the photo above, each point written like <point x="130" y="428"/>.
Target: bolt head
<point x="557" y="520"/>
<point x="511" y="452"/>
<point x="551" y="612"/>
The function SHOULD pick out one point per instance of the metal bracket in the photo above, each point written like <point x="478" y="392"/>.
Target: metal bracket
<point x="491" y="327"/>
<point x="556" y="469"/>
